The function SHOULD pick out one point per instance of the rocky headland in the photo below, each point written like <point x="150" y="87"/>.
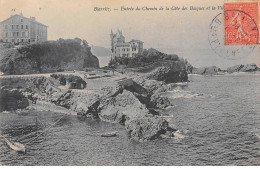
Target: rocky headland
<point x="213" y="70"/>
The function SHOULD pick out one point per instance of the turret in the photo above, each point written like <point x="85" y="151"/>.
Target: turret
<point x="111" y="40"/>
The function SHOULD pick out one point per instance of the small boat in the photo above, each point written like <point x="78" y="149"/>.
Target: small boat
<point x="178" y="134"/>
<point x="14" y="145"/>
<point x="17" y="146"/>
<point x="110" y="134"/>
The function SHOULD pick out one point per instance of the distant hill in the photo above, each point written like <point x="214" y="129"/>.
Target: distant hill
<point x="100" y="51"/>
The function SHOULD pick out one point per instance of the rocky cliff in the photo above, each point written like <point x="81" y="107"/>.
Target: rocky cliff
<point x="45" y="57"/>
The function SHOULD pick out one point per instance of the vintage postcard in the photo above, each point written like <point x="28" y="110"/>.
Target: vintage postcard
<point x="129" y="83"/>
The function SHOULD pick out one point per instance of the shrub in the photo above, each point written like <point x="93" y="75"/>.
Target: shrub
<point x="147" y="57"/>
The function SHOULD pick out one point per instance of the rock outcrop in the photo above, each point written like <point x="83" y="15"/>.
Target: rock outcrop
<point x="46" y="57"/>
<point x="249" y="68"/>
<point x="12" y="99"/>
<point x="213" y="70"/>
<point x="123" y="107"/>
<point x="170" y="72"/>
<point x="146" y="127"/>
<point x="235" y="68"/>
<point x="70" y="81"/>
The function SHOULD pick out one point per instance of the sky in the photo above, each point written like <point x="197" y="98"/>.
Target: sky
<point x="184" y="32"/>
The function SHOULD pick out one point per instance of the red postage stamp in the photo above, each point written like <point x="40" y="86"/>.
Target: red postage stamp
<point x="241" y="23"/>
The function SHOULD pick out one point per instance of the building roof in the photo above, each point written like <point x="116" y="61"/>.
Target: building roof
<point x="120" y="44"/>
<point x="25" y="18"/>
<point x="133" y="40"/>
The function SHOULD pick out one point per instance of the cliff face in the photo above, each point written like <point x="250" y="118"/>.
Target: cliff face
<point x="50" y="56"/>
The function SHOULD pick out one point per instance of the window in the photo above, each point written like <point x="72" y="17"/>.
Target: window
<point x="21" y="26"/>
<point x="17" y="26"/>
<point x="26" y="34"/>
<point x="13" y="35"/>
<point x="6" y="34"/>
<point x="133" y="49"/>
<point x="17" y="33"/>
<point x="133" y="55"/>
<point x="21" y="40"/>
<point x="6" y="26"/>
<point x="12" y="26"/>
<point x="21" y="19"/>
<point x="23" y="34"/>
<point x="127" y="49"/>
<point x="26" y="26"/>
<point x="127" y="54"/>
<point x="123" y="49"/>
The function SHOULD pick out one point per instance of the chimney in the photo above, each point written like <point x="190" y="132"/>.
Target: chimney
<point x="32" y="18"/>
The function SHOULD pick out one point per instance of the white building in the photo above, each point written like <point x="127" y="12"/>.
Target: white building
<point x="18" y="29"/>
<point x="120" y="48"/>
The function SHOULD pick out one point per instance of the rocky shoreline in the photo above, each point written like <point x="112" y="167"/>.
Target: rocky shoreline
<point x="213" y="70"/>
<point x="130" y="99"/>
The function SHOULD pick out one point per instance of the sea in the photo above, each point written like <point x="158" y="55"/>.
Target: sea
<point x="103" y="60"/>
<point x="218" y="117"/>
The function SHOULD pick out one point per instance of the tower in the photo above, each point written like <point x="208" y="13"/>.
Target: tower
<point x="111" y="41"/>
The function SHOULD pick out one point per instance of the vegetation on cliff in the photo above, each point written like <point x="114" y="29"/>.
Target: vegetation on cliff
<point x="49" y="56"/>
<point x="147" y="57"/>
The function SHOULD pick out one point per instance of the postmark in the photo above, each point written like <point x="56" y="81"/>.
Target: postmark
<point x="241" y="23"/>
<point x="216" y="41"/>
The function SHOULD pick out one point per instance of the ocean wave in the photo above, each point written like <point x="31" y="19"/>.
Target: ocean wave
<point x="169" y="107"/>
<point x="5" y="112"/>
<point x="244" y="73"/>
<point x="178" y="93"/>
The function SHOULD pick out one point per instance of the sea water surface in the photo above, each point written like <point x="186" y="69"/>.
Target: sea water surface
<point x="219" y="117"/>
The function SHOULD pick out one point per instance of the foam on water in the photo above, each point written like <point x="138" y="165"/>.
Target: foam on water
<point x="179" y="93"/>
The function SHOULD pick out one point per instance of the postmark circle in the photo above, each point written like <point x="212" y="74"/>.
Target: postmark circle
<point x="216" y="41"/>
